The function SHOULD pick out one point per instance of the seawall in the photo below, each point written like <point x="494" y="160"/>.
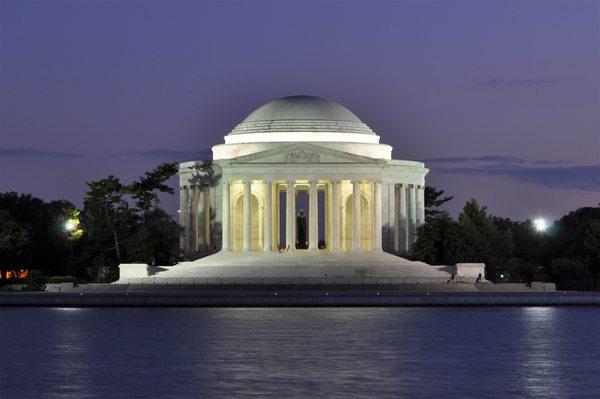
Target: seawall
<point x="294" y="299"/>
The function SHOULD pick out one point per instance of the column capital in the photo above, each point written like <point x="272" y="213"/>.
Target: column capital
<point x="267" y="182"/>
<point x="247" y="181"/>
<point x="356" y="181"/>
<point x="313" y="182"/>
<point x="336" y="181"/>
<point x="377" y="181"/>
<point x="290" y="181"/>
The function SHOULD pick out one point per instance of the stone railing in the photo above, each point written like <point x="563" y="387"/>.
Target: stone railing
<point x="296" y="280"/>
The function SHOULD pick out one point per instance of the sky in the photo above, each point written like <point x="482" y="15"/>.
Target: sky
<point x="501" y="99"/>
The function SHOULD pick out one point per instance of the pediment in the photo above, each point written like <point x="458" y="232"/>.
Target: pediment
<point x="302" y="153"/>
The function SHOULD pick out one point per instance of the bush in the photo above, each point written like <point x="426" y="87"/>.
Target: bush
<point x="570" y="274"/>
<point x="36" y="281"/>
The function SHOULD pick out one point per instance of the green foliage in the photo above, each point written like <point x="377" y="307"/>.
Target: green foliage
<point x="155" y="241"/>
<point x="36" y="281"/>
<point x="434" y="237"/>
<point x="145" y="190"/>
<point x="33" y="233"/>
<point x="570" y="273"/>
<point x="568" y="253"/>
<point x="116" y="231"/>
<point x="14" y="241"/>
<point x="433" y="199"/>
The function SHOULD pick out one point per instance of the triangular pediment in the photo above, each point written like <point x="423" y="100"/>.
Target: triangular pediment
<point x="303" y="153"/>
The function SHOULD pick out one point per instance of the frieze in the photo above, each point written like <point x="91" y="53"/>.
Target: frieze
<point x="303" y="156"/>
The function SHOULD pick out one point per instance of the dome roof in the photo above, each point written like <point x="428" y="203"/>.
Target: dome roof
<point x="306" y="114"/>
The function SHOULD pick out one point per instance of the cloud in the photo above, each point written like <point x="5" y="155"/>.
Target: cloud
<point x="169" y="154"/>
<point x="30" y="152"/>
<point x="548" y="162"/>
<point x="519" y="82"/>
<point x="585" y="178"/>
<point x="484" y="158"/>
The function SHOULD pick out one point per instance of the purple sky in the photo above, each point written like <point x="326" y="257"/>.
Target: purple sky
<point x="502" y="98"/>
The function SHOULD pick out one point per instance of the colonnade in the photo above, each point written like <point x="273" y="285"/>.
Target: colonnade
<point x="344" y="231"/>
<point x="333" y="191"/>
<point x="407" y="212"/>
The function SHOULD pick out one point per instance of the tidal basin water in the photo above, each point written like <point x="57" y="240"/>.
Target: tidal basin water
<point x="514" y="352"/>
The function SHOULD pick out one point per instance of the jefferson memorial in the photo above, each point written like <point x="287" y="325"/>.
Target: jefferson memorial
<point x="300" y="188"/>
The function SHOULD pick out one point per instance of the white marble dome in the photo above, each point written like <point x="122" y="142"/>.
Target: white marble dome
<point x="302" y="119"/>
<point x="302" y="114"/>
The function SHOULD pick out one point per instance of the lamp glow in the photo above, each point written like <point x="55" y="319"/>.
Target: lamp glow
<point x="70" y="225"/>
<point x="540" y="224"/>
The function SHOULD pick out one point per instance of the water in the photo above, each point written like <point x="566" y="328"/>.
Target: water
<point x="306" y="353"/>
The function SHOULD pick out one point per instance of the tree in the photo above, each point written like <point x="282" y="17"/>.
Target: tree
<point x="145" y="190"/>
<point x="433" y="236"/>
<point x="155" y="241"/>
<point x="570" y="273"/>
<point x="434" y="199"/>
<point x="124" y="223"/>
<point x="14" y="241"/>
<point x="106" y="209"/>
<point x="44" y="222"/>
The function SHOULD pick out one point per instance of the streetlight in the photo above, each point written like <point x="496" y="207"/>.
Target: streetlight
<point x="70" y="225"/>
<point x="540" y="224"/>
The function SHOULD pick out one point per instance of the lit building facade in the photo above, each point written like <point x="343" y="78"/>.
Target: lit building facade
<point x="358" y="198"/>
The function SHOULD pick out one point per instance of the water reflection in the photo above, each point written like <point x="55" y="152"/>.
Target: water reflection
<point x="298" y="352"/>
<point x="539" y="367"/>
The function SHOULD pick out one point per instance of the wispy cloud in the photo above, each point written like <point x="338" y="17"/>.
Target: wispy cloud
<point x="484" y="158"/>
<point x="169" y="154"/>
<point x="551" y="173"/>
<point x="519" y="82"/>
<point x="35" y="153"/>
<point x="550" y="162"/>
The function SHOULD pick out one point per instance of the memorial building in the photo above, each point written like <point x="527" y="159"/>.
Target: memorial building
<point x="244" y="199"/>
<point x="300" y="188"/>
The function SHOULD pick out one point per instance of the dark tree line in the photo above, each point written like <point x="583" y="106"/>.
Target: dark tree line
<point x="119" y="223"/>
<point x="568" y="252"/>
<point x="122" y="223"/>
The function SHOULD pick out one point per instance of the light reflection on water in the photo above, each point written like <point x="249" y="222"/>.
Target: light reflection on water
<point x="300" y="352"/>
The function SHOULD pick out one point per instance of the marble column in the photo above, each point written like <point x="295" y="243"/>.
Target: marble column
<point x="313" y="216"/>
<point x="268" y="244"/>
<point x="420" y="205"/>
<point x="356" y="236"/>
<point x="377" y="216"/>
<point x="335" y="215"/>
<point x="290" y="216"/>
<point x="198" y="219"/>
<point x="393" y="217"/>
<point x="402" y="219"/>
<point x="206" y="221"/>
<point x="412" y="214"/>
<point x="183" y="198"/>
<point x="225" y="217"/>
<point x="247" y="226"/>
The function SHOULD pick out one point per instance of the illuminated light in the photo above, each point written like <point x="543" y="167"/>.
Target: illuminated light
<point x="70" y="225"/>
<point x="178" y="210"/>
<point x="302" y="137"/>
<point x="540" y="224"/>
